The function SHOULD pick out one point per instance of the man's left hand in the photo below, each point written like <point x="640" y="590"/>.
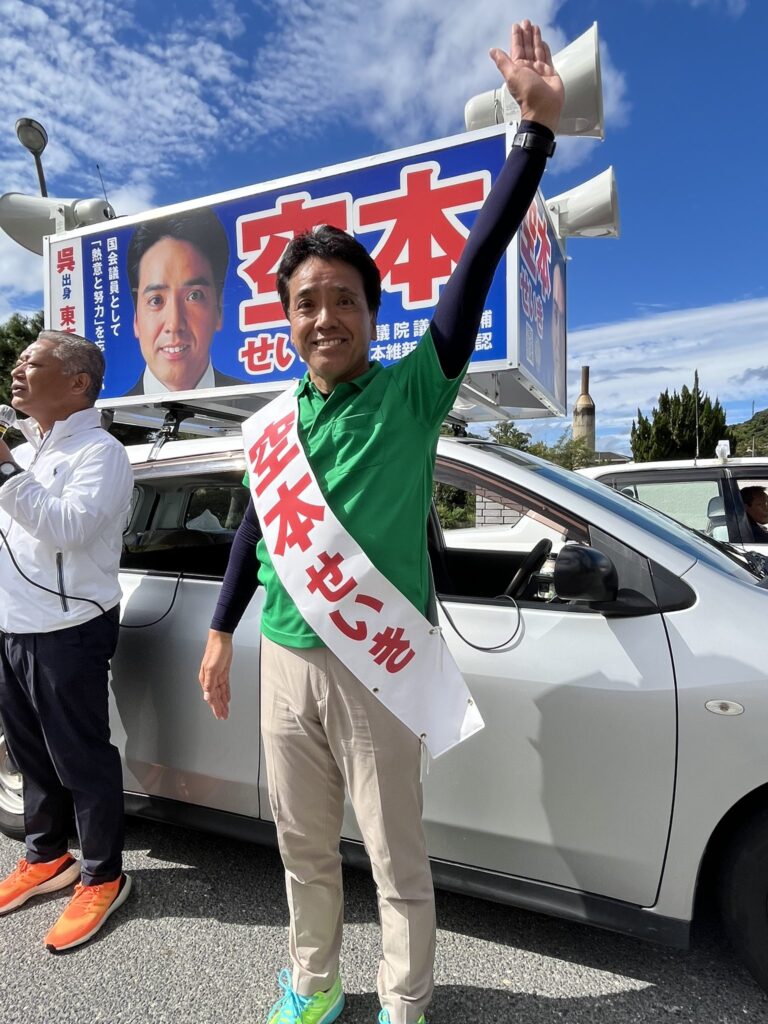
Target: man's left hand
<point x="530" y="75"/>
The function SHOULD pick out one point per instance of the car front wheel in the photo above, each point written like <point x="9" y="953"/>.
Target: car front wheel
<point x="744" y="896"/>
<point x="11" y="797"/>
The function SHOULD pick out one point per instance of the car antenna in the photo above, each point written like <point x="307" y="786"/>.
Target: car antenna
<point x="103" y="187"/>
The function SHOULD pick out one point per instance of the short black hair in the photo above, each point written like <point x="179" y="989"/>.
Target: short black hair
<point x="200" y="228"/>
<point x="748" y="494"/>
<point x="326" y="242"/>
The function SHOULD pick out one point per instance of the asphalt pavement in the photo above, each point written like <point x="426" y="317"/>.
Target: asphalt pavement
<point x="203" y="935"/>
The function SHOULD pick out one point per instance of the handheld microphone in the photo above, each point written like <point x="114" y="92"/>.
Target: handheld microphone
<point x="7" y="419"/>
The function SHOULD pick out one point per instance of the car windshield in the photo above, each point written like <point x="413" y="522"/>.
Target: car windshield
<point x="714" y="553"/>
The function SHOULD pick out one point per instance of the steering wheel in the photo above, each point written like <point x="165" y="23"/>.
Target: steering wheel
<point x="532" y="562"/>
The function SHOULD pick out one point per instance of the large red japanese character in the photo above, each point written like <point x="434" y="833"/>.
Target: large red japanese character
<point x="527" y="235"/>
<point x="359" y="631"/>
<point x="330" y="576"/>
<point x="536" y="248"/>
<point x="391" y="649"/>
<point x="270" y="455"/>
<point x="261" y="241"/>
<point x="65" y="259"/>
<point x="296" y="517"/>
<point x="265" y="353"/>
<point x="418" y="217"/>
<point x="67" y="320"/>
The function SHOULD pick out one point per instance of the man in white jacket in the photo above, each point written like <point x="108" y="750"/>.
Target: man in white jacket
<point x="64" y="500"/>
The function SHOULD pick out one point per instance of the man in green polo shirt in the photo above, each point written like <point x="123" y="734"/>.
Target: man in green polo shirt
<point x="369" y="434"/>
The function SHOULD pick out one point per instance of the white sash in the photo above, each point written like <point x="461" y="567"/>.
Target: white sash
<point x="365" y="620"/>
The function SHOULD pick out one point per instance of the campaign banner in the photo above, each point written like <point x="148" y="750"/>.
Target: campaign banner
<point x="541" y="349"/>
<point x="183" y="298"/>
<point x="64" y="289"/>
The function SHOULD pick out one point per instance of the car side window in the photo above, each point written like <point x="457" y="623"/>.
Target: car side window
<point x="216" y="508"/>
<point x="752" y="507"/>
<point x="185" y="524"/>
<point x="482" y="529"/>
<point x="697" y="503"/>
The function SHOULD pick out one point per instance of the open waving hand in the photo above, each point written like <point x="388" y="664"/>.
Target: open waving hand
<point x="530" y="75"/>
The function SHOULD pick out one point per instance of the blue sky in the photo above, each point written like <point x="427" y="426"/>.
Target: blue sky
<point x="192" y="97"/>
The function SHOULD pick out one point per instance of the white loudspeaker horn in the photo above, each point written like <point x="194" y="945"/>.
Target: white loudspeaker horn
<point x="590" y="210"/>
<point x="579" y="67"/>
<point x="28" y="218"/>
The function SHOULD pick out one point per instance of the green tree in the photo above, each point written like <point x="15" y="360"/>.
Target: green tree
<point x="640" y="438"/>
<point x="16" y="333"/>
<point x="455" y="507"/>
<point x="680" y="426"/>
<point x="567" y="451"/>
<point x="507" y="433"/>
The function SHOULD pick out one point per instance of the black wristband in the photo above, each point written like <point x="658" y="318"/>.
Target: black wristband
<point x="7" y="470"/>
<point x="534" y="141"/>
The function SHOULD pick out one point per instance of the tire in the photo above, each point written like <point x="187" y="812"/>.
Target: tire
<point x="11" y="798"/>
<point x="743" y="896"/>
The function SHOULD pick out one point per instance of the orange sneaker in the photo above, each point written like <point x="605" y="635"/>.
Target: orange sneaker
<point x="86" y="912"/>
<point x="35" y="879"/>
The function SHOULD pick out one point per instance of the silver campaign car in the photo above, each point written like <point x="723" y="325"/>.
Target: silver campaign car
<point x="618" y="658"/>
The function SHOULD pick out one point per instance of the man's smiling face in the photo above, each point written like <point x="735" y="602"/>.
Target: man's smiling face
<point x="177" y="312"/>
<point x="331" y="323"/>
<point x="41" y="388"/>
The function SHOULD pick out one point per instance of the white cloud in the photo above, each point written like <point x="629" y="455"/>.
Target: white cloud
<point x="152" y="99"/>
<point x="406" y="71"/>
<point x="21" y="274"/>
<point x="133" y="197"/>
<point x="106" y="91"/>
<point x="632" y="362"/>
<point x="144" y="98"/>
<point x="403" y="69"/>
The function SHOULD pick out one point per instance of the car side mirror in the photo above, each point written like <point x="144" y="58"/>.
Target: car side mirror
<point x="585" y="574"/>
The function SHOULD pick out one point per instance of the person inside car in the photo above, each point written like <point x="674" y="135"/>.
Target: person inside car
<point x="756" y="506"/>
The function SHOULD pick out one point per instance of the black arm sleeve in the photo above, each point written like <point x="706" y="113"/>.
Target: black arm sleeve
<point x="240" y="580"/>
<point x="457" y="317"/>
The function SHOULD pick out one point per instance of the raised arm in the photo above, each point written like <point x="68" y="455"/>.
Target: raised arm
<point x="531" y="78"/>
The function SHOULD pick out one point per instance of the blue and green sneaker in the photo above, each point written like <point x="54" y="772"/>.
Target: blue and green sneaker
<point x="291" y="1008"/>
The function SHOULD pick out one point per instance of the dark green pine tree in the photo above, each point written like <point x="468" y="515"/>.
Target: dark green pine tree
<point x="640" y="438"/>
<point x="662" y="444"/>
<point x="712" y="428"/>
<point x="676" y="422"/>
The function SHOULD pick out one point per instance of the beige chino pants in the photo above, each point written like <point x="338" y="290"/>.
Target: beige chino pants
<point x="323" y="731"/>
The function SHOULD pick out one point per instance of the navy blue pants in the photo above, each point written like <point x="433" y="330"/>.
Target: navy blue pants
<point x="54" y="705"/>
